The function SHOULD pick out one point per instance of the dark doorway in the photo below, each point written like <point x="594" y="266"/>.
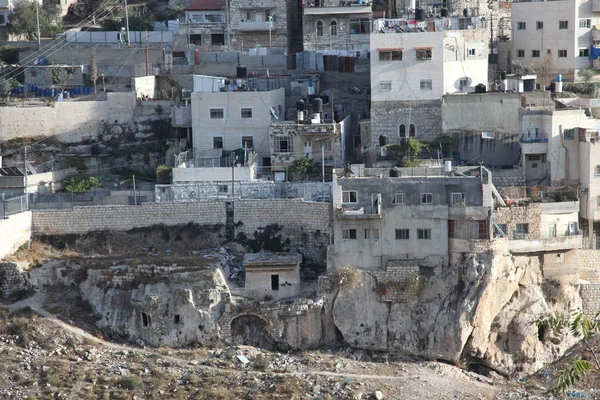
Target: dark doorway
<point x="274" y="282"/>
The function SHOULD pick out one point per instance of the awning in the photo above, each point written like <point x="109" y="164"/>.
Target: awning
<point x="390" y="48"/>
<point x="424" y="48"/>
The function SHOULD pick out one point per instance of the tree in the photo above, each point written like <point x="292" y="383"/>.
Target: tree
<point x="22" y="21"/>
<point x="82" y="183"/>
<point x="581" y="327"/>
<point x="412" y="149"/>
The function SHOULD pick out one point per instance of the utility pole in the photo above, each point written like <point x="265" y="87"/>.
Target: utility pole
<point x="147" y="66"/>
<point x="232" y="158"/>
<point x="227" y="27"/>
<point x="134" y="193"/>
<point x="26" y="180"/>
<point x="37" y="20"/>
<point x="127" y="23"/>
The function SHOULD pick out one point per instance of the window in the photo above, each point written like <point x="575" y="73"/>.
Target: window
<point x="569" y="134"/>
<point x="520" y="53"/>
<point x="349" y="196"/>
<point x="562" y="54"/>
<point x="274" y="282"/>
<point x="327" y="145"/>
<point x="398" y="198"/>
<point x="372" y="234"/>
<point x="585" y="23"/>
<point x="412" y="132"/>
<point x="333" y="28"/>
<point x="584" y="52"/>
<point x="424" y="234"/>
<point x="222" y="188"/>
<point x="535" y="53"/>
<point x="385" y="86"/>
<point x="425" y="84"/>
<point x="402" y="234"/>
<point x="426" y="198"/>
<point x="246" y="113"/>
<point x="216" y="113"/>
<point x="146" y="320"/>
<point x="563" y="24"/>
<point x="217" y="39"/>
<point x="217" y="142"/>
<point x="360" y="25"/>
<point x="549" y="51"/>
<point x="522" y="229"/>
<point x="458" y="198"/>
<point x="402" y="131"/>
<point x="424" y="53"/>
<point x="470" y="52"/>
<point x="539" y="25"/>
<point x="521" y="25"/>
<point x="283" y="144"/>
<point x="349" y="234"/>
<point x="247" y="142"/>
<point x="196" y="39"/>
<point x="391" y="55"/>
<point x="319" y="28"/>
<point x="597" y="170"/>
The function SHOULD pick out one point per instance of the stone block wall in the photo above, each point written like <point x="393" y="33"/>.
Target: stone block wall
<point x="12" y="279"/>
<point x="589" y="264"/>
<point x="590" y="298"/>
<point x="306" y="226"/>
<point x="14" y="232"/>
<point x="502" y="178"/>
<point x="511" y="216"/>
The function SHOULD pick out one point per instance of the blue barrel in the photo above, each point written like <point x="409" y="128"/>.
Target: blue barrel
<point x="29" y="87"/>
<point x="21" y="89"/>
<point x="90" y="90"/>
<point x="39" y="92"/>
<point x="35" y="87"/>
<point x="46" y="92"/>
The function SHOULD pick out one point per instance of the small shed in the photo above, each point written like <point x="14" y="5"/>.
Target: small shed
<point x="275" y="275"/>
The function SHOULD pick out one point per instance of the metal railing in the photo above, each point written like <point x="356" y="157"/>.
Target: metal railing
<point x="13" y="206"/>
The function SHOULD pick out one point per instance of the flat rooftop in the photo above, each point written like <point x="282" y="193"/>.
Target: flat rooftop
<point x="269" y="259"/>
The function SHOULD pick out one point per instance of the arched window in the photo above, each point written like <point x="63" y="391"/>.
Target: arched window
<point x="412" y="131"/>
<point x="333" y="28"/>
<point x="402" y="131"/>
<point x="319" y="28"/>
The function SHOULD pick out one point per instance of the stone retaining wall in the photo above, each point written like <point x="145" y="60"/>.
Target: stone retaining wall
<point x="590" y="298"/>
<point x="589" y="264"/>
<point x="302" y="226"/>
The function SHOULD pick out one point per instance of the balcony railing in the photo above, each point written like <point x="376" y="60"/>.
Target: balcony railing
<point x="338" y="3"/>
<point x="257" y="26"/>
<point x="534" y="138"/>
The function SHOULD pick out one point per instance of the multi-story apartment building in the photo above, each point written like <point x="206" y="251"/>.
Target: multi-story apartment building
<point x="413" y="66"/>
<point x="231" y="114"/>
<point x="261" y="23"/>
<point x="382" y="221"/>
<point x="337" y="25"/>
<point x="205" y="25"/>
<point x="553" y="37"/>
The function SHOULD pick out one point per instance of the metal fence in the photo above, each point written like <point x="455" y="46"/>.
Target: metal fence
<point x="98" y="197"/>
<point x="13" y="206"/>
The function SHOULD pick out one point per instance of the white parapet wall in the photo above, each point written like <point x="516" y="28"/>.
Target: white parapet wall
<point x="14" y="232"/>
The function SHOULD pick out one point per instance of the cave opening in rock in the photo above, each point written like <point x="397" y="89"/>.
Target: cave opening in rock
<point x="251" y="330"/>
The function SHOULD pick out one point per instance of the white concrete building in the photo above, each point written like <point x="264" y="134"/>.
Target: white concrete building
<point x="413" y="66"/>
<point x="272" y="275"/>
<point x="553" y="37"/>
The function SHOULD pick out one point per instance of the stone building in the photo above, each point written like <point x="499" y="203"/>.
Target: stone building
<point x="274" y="275"/>
<point x="413" y="66"/>
<point x="382" y="221"/>
<point x="326" y="140"/>
<point x="337" y="25"/>
<point x="205" y="26"/>
<point x="259" y="23"/>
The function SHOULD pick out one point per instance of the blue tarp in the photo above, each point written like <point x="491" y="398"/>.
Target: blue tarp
<point x="594" y="52"/>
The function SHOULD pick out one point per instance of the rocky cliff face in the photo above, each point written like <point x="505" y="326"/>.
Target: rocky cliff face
<point x="480" y="310"/>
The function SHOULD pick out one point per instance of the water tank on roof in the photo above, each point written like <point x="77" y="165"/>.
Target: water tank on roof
<point x="241" y="72"/>
<point x="394" y="173"/>
<point x="317" y="105"/>
<point x="480" y="88"/>
<point x="419" y="14"/>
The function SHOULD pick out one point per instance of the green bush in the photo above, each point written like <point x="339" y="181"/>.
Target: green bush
<point x="130" y="382"/>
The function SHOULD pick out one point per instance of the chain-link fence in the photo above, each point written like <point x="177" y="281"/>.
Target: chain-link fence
<point x="13" y="206"/>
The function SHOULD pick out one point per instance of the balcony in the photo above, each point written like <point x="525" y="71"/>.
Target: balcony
<point x="257" y="26"/>
<point x="331" y="7"/>
<point x="358" y="213"/>
<point x="533" y="245"/>
<point x="534" y="143"/>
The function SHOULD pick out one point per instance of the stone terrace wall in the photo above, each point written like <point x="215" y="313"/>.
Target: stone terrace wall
<point x="306" y="225"/>
<point x="511" y="216"/>
<point x="589" y="264"/>
<point x="502" y="178"/>
<point x="14" y="231"/>
<point x="590" y="298"/>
